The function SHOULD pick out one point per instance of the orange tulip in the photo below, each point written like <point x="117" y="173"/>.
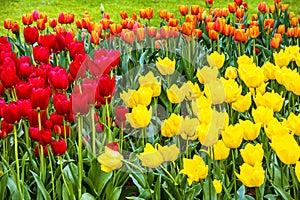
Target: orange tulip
<point x="15" y="27"/>
<point x="254" y="32"/>
<point x="253" y="23"/>
<point x="105" y="23"/>
<point x="115" y="29"/>
<point x="187" y="28"/>
<point x="240" y="13"/>
<point x="40" y="24"/>
<point x="151" y="30"/>
<point x="275" y="42"/>
<point x="232" y="7"/>
<point x="238" y="2"/>
<point x="195" y="9"/>
<point x="7" y="23"/>
<point x="134" y="16"/>
<point x="123" y="14"/>
<point x="95" y="37"/>
<point x="127" y="36"/>
<point x="140" y="34"/>
<point x="27" y="19"/>
<point x="191" y="18"/>
<point x="149" y="13"/>
<point x="294" y="21"/>
<point x="262" y="7"/>
<point x="290" y="32"/>
<point x="209" y="3"/>
<point x="281" y="29"/>
<point x="218" y="12"/>
<point x="212" y="34"/>
<point x="163" y="14"/>
<point x="225" y="12"/>
<point x="165" y="32"/>
<point x="297" y="32"/>
<point x="284" y="7"/>
<point x="208" y="18"/>
<point x="173" y="22"/>
<point x="209" y="25"/>
<point x="143" y="13"/>
<point x="268" y="23"/>
<point x="169" y="16"/>
<point x="272" y="9"/>
<point x="219" y="24"/>
<point x="227" y="30"/>
<point x="240" y="35"/>
<point x="197" y="33"/>
<point x="183" y="9"/>
<point x="45" y="17"/>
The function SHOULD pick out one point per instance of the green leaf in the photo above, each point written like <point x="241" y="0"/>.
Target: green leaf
<point x="41" y="186"/>
<point x="157" y="188"/>
<point x="87" y="196"/>
<point x="13" y="189"/>
<point x="116" y="193"/>
<point x="3" y="184"/>
<point x="270" y="196"/>
<point x="135" y="198"/>
<point x="282" y="192"/>
<point x="209" y="190"/>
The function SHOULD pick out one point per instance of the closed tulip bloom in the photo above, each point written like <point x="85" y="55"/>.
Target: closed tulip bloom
<point x="286" y="148"/>
<point x="207" y="74"/>
<point x="149" y="80"/>
<point x="215" y="91"/>
<point x="163" y="14"/>
<point x="127" y="36"/>
<point x="275" y="42"/>
<point x="270" y="99"/>
<point x="195" y="169"/>
<point x="251" y="176"/>
<point x="243" y="103"/>
<point x="15" y="27"/>
<point x="40" y="24"/>
<point x="151" y="157"/>
<point x="142" y="96"/>
<point x="7" y="24"/>
<point x="212" y="34"/>
<point x="281" y="59"/>
<point x="195" y="9"/>
<point x="170" y="127"/>
<point x="8" y="77"/>
<point x="139" y="117"/>
<point x="232" y="7"/>
<point x="59" y="147"/>
<point x="275" y="128"/>
<point x="169" y="153"/>
<point x="187" y="28"/>
<point x="262" y="7"/>
<point x="52" y="23"/>
<point x="27" y="19"/>
<point x="254" y="32"/>
<point x="230" y="73"/>
<point x="293" y="123"/>
<point x="272" y="9"/>
<point x="221" y="152"/>
<point x="31" y="34"/>
<point x="151" y="30"/>
<point x="262" y="114"/>
<point x="269" y="70"/>
<point x="183" y="9"/>
<point x="240" y="35"/>
<point x="173" y="22"/>
<point x="105" y="88"/>
<point x="252" y="76"/>
<point x="175" y="95"/>
<point x="41" y="54"/>
<point x="123" y="14"/>
<point x="218" y="186"/>
<point x="110" y="160"/>
<point x="240" y="13"/>
<point x="188" y="128"/>
<point x="40" y="98"/>
<point x="165" y="66"/>
<point x="251" y="130"/>
<point x="232" y="90"/>
<point x="191" y="91"/>
<point x="252" y="154"/>
<point x="297" y="170"/>
<point x="217" y="58"/>
<point x="219" y="24"/>
<point x="11" y="113"/>
<point x="208" y="133"/>
<point x="233" y="136"/>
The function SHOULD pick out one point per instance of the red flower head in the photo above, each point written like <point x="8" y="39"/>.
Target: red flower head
<point x="8" y="77"/>
<point x="80" y="103"/>
<point x="27" y="19"/>
<point x="163" y="14"/>
<point x="232" y="7"/>
<point x="58" y="79"/>
<point x="238" y="2"/>
<point x="120" y="116"/>
<point x="59" y="147"/>
<point x="41" y="54"/>
<point x="25" y="107"/>
<point x="113" y="146"/>
<point x="40" y="98"/>
<point x="123" y="14"/>
<point x="56" y="119"/>
<point x="52" y="23"/>
<point x="187" y="28"/>
<point x="35" y="15"/>
<point x="11" y="113"/>
<point x="195" y="9"/>
<point x="70" y="18"/>
<point x="173" y="22"/>
<point x="262" y="7"/>
<point x="23" y="90"/>
<point x="62" y="104"/>
<point x="15" y="27"/>
<point x="183" y="9"/>
<point x="45" y="137"/>
<point x="149" y="13"/>
<point x="76" y="48"/>
<point x="62" y="18"/>
<point x="31" y="35"/>
<point x="41" y="24"/>
<point x="5" y="129"/>
<point x="105" y="89"/>
<point x="7" y="24"/>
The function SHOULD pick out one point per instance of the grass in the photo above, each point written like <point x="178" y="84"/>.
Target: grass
<point x="15" y="8"/>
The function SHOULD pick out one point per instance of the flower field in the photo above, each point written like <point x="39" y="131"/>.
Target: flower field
<point x="201" y="106"/>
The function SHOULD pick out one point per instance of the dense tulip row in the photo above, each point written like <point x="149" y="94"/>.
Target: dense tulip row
<point x="206" y="107"/>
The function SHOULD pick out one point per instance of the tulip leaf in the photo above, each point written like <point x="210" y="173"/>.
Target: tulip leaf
<point x="138" y="181"/>
<point x="87" y="196"/>
<point x="271" y="196"/>
<point x="282" y="192"/>
<point x="209" y="190"/>
<point x="157" y="188"/>
<point x="116" y="193"/>
<point x="41" y="186"/>
<point x="3" y="184"/>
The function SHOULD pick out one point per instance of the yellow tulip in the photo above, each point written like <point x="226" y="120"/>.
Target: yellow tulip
<point x="233" y="136"/>
<point x="293" y="51"/>
<point x="150" y="81"/>
<point x="252" y="76"/>
<point x="251" y="130"/>
<point x="215" y="91"/>
<point x="218" y="186"/>
<point x="217" y="59"/>
<point x="220" y="151"/>
<point x="286" y="148"/>
<point x="139" y="117"/>
<point x="230" y="73"/>
<point x="297" y="170"/>
<point x="207" y="134"/>
<point x="165" y="66"/>
<point x="269" y="99"/>
<point x="251" y="176"/>
<point x="244" y="59"/>
<point x="188" y="128"/>
<point x="282" y="59"/>
<point x="269" y="70"/>
<point x="200" y="103"/>
<point x="110" y="160"/>
<point x="142" y="96"/>
<point x="298" y="59"/>
<point x="175" y="95"/>
<point x="243" y="103"/>
<point x="171" y="126"/>
<point x="293" y="123"/>
<point x="127" y="98"/>
<point x="151" y="157"/>
<point x="262" y="114"/>
<point x="169" y="153"/>
<point x="191" y="91"/>
<point x="252" y="154"/>
<point x="275" y="128"/>
<point x="194" y="168"/>
<point x="207" y="74"/>
<point x="232" y="90"/>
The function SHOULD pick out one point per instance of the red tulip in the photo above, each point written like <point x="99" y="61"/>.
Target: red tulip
<point x="163" y="14"/>
<point x="2" y="89"/>
<point x="58" y="79"/>
<point x="62" y="18"/>
<point x="34" y="133"/>
<point x="45" y="137"/>
<point x="149" y="13"/>
<point x="15" y="27"/>
<point x="113" y="146"/>
<point x="31" y="35"/>
<point x="79" y="102"/>
<point x="52" y="23"/>
<point x="25" y="108"/>
<point x="70" y="18"/>
<point x="41" y="25"/>
<point x="105" y="89"/>
<point x="59" y="147"/>
<point x="183" y="9"/>
<point x="56" y="119"/>
<point x="6" y="128"/>
<point x="232" y="7"/>
<point x="27" y="19"/>
<point x="99" y="127"/>
<point x="41" y="54"/>
<point x="35" y="15"/>
<point x="173" y="22"/>
<point x="62" y="104"/>
<point x="238" y="2"/>
<point x="40" y="98"/>
<point x="11" y="113"/>
<point x="123" y="14"/>
<point x="120" y="116"/>
<point x="195" y="9"/>
<point x="33" y="118"/>
<point x="7" y="24"/>
<point x="262" y="7"/>
<point x="76" y="48"/>
<point x="8" y="77"/>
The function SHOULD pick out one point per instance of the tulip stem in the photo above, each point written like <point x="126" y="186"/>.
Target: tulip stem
<point x="80" y="167"/>
<point x="26" y="134"/>
<point x="108" y="120"/>
<point x="168" y="173"/>
<point x="39" y="120"/>
<point x="219" y="46"/>
<point x="63" y="176"/>
<point x="233" y="170"/>
<point x="52" y="177"/>
<point x="17" y="161"/>
<point x="92" y="110"/>
<point x="254" y="53"/>
<point x="133" y="165"/>
<point x="257" y="193"/>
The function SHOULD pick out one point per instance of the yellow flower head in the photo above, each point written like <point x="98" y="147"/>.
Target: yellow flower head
<point x="175" y="95"/>
<point x="251" y="176"/>
<point x="269" y="70"/>
<point x="260" y="89"/>
<point x="243" y="103"/>
<point x="286" y="148"/>
<point x="194" y="168"/>
<point x="152" y="82"/>
<point x="200" y="103"/>
<point x="230" y="73"/>
<point x="269" y="99"/>
<point x="216" y="59"/>
<point x="139" y="117"/>
<point x="142" y="96"/>
<point x="262" y="114"/>
<point x="191" y="91"/>
<point x="188" y="128"/>
<point x="252" y="76"/>
<point x="150" y="157"/>
<point x="282" y="59"/>
<point x="252" y="154"/>
<point x="244" y="59"/>
<point x="275" y="128"/>
<point x="233" y="136"/>
<point x="251" y="130"/>
<point x="110" y="160"/>
<point x="171" y="126"/>
<point x="169" y="153"/>
<point x="215" y="91"/>
<point x="218" y="186"/>
<point x="207" y="74"/>
<point x="293" y="123"/>
<point x="293" y="51"/>
<point x="232" y="90"/>
<point x="220" y="151"/>
<point x="297" y="170"/>
<point x="165" y="66"/>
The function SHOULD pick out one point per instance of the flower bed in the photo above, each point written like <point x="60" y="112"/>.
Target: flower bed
<point x="203" y="107"/>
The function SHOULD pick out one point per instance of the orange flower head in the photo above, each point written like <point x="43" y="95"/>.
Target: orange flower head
<point x="163" y="14"/>
<point x="79" y="24"/>
<point x="105" y="23"/>
<point x="225" y="12"/>
<point x="173" y="22"/>
<point x="195" y="9"/>
<point x="209" y="26"/>
<point x="290" y="32"/>
<point x="284" y="7"/>
<point x="123" y="14"/>
<point x="218" y="12"/>
<point x="209" y="3"/>
<point x="151" y="30"/>
<point x="7" y="24"/>
<point x="240" y="13"/>
<point x="143" y="13"/>
<point x="27" y="19"/>
<point x="187" y="28"/>
<point x="281" y="29"/>
<point x="275" y="42"/>
<point x="268" y="23"/>
<point x="140" y="34"/>
<point x="149" y="13"/>
<point x="95" y="37"/>
<point x="169" y="16"/>
<point x="262" y="7"/>
<point x="183" y="9"/>
<point x="238" y="2"/>
<point x="240" y="35"/>
<point x="115" y="29"/>
<point x="297" y="32"/>
<point x="212" y="34"/>
<point x="232" y="7"/>
<point x="134" y="17"/>
<point x="254" y="32"/>
<point x="15" y="27"/>
<point x="227" y="30"/>
<point x="219" y="24"/>
<point x="208" y="18"/>
<point x="294" y="21"/>
<point x="197" y="33"/>
<point x="127" y="36"/>
<point x="272" y="9"/>
<point x="41" y="25"/>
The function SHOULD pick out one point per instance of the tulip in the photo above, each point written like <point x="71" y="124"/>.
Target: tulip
<point x="31" y="35"/>
<point x="183" y="9"/>
<point x="140" y="34"/>
<point x="243" y="103"/>
<point x="27" y="19"/>
<point x="165" y="31"/>
<point x="195" y="9"/>
<point x="173" y="22"/>
<point x="212" y="34"/>
<point x="150" y="81"/>
<point x="262" y="7"/>
<point x="254" y="32"/>
<point x="187" y="28"/>
<point x="262" y="114"/>
<point x="217" y="58"/>
<point x="142" y="96"/>
<point x="169" y="153"/>
<point x="188" y="128"/>
<point x="170" y="127"/>
<point x="232" y="90"/>
<point x="230" y="73"/>
<point x="219" y="24"/>
<point x="209" y="3"/>
<point x="79" y="103"/>
<point x="252" y="154"/>
<point x="270" y="99"/>
<point x="110" y="160"/>
<point x="8" y="77"/>
<point x="165" y="66"/>
<point x="120" y="120"/>
<point x="7" y="24"/>
<point x="139" y="117"/>
<point x="127" y="36"/>
<point x="40" y="98"/>
<point x="275" y="42"/>
<point x="45" y="137"/>
<point x="215" y="91"/>
<point x="15" y="28"/>
<point x="251" y="176"/>
<point x="61" y="104"/>
<point x="281" y="59"/>
<point x="58" y="79"/>
<point x="163" y="14"/>
<point x="218" y="186"/>
<point x="105" y="89"/>
<point x="286" y="148"/>
<point x="151" y="157"/>
<point x="11" y="113"/>
<point x="59" y="147"/>
<point x="191" y="91"/>
<point x="174" y="94"/>
<point x="220" y="151"/>
<point x="151" y="30"/>
<point x="41" y="54"/>
<point x="52" y="23"/>
<point x="41" y="24"/>
<point x="194" y="168"/>
<point x="149" y="13"/>
<point x="115" y="29"/>
<point x="293" y="123"/>
<point x="232" y="7"/>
